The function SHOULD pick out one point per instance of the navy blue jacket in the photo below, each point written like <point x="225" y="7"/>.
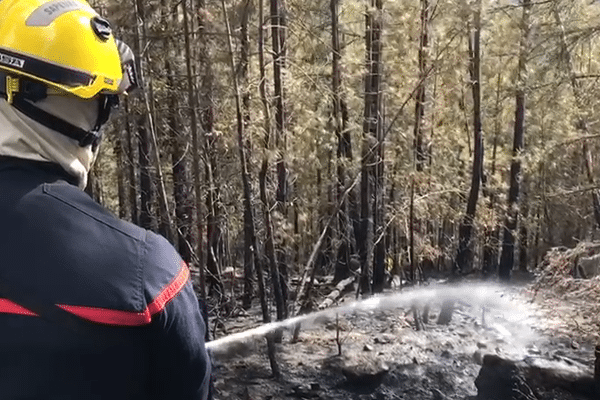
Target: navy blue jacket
<point x="99" y="308"/>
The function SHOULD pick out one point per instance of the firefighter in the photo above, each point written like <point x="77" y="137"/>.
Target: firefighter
<point x="91" y="307"/>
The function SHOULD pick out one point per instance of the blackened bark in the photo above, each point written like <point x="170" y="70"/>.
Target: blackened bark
<point x="523" y="245"/>
<point x="420" y="135"/>
<point x="411" y="233"/>
<point x="512" y="209"/>
<point x="464" y="257"/>
<point x="379" y="242"/>
<point x="214" y="240"/>
<point x="249" y="234"/>
<point x="492" y="235"/>
<point x="344" y="149"/>
<point x="512" y="212"/>
<point x="371" y="185"/>
<point x="182" y="193"/>
<point x="278" y="34"/>
<point x="267" y="143"/>
<point x="248" y="202"/>
<point x="131" y="166"/>
<point x="270" y="245"/>
<point x="365" y="236"/>
<point x="164" y="224"/>
<point x="145" y="217"/>
<point x="193" y="105"/>
<point x="245" y="63"/>
<point x="121" y="175"/>
<point x="147" y="191"/>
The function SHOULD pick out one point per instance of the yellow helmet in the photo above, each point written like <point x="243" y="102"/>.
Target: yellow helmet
<point x="64" y="44"/>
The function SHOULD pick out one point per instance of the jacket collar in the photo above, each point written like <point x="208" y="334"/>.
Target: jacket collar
<point x="51" y="172"/>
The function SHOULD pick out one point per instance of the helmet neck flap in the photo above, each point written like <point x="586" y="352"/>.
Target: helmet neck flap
<point x="22" y="94"/>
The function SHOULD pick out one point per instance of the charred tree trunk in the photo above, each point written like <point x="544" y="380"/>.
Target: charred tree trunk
<point x="523" y="234"/>
<point x="278" y="28"/>
<point x="249" y="232"/>
<point x="131" y="166"/>
<point x="146" y="219"/>
<point x="421" y="98"/>
<point x="278" y="33"/>
<point x="370" y="148"/>
<point x="270" y="244"/>
<point x="193" y="106"/>
<point x="245" y="62"/>
<point x="375" y="131"/>
<point x="214" y="229"/>
<point x="248" y="201"/>
<point x="464" y="256"/>
<point x="182" y="193"/>
<point x="164" y="223"/>
<point x="492" y="235"/>
<point x="120" y="145"/>
<point x="512" y="209"/>
<point x="411" y="233"/>
<point x="344" y="149"/>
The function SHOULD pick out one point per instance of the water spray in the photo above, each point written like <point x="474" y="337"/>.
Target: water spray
<point x="508" y="317"/>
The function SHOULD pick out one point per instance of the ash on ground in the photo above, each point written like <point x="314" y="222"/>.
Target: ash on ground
<point x="404" y="353"/>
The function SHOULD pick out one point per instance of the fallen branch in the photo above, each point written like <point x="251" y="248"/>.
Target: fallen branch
<point x="336" y="293"/>
<point x="306" y="284"/>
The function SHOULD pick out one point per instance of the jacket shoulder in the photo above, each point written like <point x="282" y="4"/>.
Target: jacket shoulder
<point x="76" y="200"/>
<point x="165" y="272"/>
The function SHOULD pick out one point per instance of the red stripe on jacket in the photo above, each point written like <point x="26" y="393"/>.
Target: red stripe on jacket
<point x="116" y="317"/>
<point x="8" y="307"/>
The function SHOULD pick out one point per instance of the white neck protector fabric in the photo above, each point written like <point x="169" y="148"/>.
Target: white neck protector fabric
<point x="21" y="137"/>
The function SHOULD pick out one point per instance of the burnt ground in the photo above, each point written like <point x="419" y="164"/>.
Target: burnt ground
<point x="386" y="355"/>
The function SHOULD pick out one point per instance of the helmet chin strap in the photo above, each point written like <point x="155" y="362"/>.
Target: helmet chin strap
<point x="24" y="98"/>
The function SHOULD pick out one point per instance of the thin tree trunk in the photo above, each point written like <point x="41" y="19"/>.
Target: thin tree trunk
<point x="182" y="193"/>
<point x="145" y="218"/>
<point x="512" y="209"/>
<point x="193" y="105"/>
<point x="131" y="164"/>
<point x="147" y="191"/>
<point x="344" y="150"/>
<point x="248" y="201"/>
<point x="420" y="135"/>
<point x="372" y="136"/>
<point x="120" y="144"/>
<point x="164" y="223"/>
<point x="523" y="231"/>
<point x="492" y="236"/>
<point x="249" y="233"/>
<point x="270" y="244"/>
<point x="411" y="232"/>
<point x="365" y="234"/>
<point x="464" y="256"/>
<point x="278" y="34"/>
<point x="214" y="253"/>
<point x="278" y="27"/>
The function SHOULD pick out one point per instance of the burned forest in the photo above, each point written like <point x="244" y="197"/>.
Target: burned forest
<point x="382" y="199"/>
